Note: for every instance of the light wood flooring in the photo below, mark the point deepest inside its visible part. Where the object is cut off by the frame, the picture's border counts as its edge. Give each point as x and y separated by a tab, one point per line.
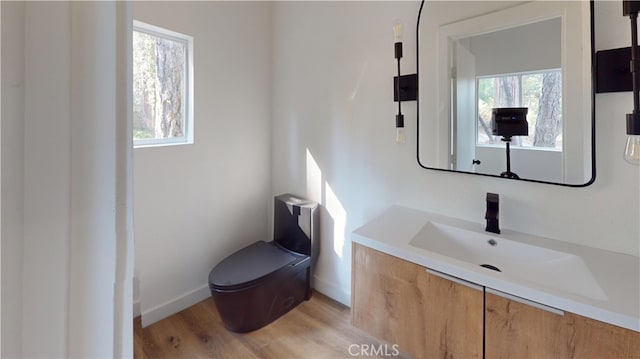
318	328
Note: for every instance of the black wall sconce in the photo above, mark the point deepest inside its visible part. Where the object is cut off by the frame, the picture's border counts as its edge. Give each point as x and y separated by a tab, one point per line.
618	70
632	148
405	88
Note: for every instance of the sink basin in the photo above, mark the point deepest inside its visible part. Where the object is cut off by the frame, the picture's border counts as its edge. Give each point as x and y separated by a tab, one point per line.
501	256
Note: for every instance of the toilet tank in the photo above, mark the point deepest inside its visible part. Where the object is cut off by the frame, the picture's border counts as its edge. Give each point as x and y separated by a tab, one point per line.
295	224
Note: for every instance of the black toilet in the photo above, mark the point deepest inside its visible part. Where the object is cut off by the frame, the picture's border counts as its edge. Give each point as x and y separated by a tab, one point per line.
260	282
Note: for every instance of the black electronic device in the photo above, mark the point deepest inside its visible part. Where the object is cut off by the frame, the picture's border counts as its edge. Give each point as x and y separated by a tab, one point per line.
509	121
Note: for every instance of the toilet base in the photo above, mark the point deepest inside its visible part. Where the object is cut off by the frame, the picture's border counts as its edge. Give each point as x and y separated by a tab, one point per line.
247	309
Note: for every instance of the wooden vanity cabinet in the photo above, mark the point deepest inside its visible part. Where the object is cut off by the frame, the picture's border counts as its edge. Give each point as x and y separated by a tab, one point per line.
517	330
432	317
426	315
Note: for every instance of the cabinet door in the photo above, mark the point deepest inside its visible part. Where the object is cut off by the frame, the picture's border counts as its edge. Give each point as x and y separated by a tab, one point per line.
427	316
517	330
454	317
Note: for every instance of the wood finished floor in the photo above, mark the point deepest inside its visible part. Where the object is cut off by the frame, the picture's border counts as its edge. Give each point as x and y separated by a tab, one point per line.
318	328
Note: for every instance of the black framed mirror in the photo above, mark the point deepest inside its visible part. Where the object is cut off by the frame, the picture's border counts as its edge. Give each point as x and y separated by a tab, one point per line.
474	57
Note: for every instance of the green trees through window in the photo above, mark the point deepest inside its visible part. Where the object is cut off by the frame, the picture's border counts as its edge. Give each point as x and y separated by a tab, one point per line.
160	84
540	92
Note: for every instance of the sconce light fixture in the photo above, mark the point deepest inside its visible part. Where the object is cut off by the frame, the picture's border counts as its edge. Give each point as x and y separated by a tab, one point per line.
397	36
405	87
618	70
632	148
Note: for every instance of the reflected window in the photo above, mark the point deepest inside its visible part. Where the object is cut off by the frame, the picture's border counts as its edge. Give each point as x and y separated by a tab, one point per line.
540	92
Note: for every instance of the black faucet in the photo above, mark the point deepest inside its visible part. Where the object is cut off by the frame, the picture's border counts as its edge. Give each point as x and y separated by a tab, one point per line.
491	215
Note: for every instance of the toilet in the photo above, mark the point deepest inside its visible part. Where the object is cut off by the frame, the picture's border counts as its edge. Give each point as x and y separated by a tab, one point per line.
259	283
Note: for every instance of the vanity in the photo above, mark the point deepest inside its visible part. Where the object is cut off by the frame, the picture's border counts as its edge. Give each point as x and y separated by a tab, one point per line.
442	287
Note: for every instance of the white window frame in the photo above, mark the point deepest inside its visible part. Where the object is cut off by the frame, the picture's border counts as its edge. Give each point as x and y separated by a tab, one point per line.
188	137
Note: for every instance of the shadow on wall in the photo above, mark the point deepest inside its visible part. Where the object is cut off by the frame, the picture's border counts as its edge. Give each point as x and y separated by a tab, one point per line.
333	220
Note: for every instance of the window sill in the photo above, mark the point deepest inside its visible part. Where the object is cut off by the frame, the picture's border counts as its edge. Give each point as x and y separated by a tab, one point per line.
161	144
519	148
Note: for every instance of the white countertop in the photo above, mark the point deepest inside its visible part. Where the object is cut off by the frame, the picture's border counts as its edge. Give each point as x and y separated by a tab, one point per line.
618	275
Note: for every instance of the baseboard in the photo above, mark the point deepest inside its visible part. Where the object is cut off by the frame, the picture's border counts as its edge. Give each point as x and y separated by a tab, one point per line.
332	291
174	306
136	308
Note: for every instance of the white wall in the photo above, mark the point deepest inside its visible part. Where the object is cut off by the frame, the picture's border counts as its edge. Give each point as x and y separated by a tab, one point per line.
530	47
100	104
196	204
12	175
333	65
542	165
47	176
64	231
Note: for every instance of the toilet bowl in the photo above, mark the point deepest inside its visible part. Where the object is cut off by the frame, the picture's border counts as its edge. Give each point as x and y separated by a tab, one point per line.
259	283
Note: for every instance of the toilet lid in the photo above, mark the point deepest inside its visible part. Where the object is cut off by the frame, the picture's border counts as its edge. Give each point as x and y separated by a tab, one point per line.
250	264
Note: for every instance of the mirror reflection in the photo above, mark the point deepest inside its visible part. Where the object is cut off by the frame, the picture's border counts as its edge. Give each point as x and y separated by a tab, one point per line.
499	55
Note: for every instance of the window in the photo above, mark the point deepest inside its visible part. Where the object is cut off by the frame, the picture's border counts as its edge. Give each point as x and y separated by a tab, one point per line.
540	92
162	86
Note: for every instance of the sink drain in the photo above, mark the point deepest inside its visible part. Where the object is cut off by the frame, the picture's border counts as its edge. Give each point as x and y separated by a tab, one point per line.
489	266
